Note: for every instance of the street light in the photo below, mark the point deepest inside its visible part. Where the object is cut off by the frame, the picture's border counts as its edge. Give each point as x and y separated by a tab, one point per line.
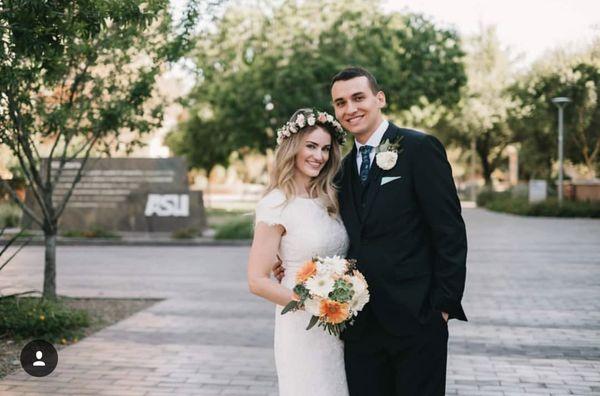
560	102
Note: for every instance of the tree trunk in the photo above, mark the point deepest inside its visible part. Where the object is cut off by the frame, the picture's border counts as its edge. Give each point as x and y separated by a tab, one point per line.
486	167
50	263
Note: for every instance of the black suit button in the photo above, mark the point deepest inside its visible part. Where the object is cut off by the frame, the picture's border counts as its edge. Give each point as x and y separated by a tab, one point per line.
363	205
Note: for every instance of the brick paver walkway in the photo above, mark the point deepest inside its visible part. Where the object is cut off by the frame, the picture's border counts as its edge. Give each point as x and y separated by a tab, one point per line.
533	300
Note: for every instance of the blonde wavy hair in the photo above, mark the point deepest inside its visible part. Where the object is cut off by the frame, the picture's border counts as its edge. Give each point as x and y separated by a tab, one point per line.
284	167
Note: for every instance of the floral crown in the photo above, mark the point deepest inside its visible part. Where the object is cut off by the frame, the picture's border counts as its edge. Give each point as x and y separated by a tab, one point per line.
311	118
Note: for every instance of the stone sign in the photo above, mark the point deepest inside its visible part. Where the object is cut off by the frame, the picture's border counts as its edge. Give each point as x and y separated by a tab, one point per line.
538	190
129	194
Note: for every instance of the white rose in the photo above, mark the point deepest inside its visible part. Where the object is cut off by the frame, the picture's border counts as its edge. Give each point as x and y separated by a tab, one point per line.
286	133
311	120
386	159
329	118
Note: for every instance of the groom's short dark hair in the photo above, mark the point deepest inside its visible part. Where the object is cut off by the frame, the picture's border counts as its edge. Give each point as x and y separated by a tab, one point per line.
353	72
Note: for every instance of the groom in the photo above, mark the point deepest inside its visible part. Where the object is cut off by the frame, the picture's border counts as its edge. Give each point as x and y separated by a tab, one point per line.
403	217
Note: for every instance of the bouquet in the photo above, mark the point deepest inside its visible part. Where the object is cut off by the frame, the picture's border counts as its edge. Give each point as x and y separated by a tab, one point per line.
332	290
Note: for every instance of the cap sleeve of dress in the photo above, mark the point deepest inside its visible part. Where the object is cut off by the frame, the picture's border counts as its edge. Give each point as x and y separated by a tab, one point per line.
269	209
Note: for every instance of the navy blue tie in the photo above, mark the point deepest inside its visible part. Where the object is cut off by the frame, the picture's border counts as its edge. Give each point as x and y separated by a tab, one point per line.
365	165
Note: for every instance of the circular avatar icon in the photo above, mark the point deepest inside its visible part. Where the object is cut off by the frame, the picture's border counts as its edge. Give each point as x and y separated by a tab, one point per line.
39	358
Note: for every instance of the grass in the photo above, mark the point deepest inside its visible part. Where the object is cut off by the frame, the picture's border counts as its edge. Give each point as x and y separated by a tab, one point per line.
238	228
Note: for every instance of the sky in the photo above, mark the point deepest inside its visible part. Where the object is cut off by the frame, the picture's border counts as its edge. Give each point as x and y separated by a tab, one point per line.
527	27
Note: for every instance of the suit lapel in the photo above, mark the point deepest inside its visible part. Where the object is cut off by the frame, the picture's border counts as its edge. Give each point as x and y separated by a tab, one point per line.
374	181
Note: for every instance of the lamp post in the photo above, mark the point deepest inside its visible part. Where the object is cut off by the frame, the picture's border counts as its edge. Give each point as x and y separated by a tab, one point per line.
560	102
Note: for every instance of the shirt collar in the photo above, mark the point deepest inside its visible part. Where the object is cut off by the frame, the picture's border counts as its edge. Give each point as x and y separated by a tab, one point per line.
376	137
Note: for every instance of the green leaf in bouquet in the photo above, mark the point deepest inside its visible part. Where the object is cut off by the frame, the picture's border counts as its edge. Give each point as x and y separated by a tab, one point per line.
291	306
301	291
313	321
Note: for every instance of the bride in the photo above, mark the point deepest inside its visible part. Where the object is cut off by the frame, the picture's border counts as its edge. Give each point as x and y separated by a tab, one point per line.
296	220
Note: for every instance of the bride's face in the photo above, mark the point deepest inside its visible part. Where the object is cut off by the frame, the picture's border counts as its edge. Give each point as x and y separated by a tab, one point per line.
314	152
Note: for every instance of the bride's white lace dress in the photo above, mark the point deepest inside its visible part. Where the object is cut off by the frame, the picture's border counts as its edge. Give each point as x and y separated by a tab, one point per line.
309	362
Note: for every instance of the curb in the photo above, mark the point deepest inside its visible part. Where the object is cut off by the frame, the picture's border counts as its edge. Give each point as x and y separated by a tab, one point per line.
112	242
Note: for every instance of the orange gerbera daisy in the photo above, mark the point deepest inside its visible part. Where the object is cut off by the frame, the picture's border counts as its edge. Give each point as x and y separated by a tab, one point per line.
306	271
333	311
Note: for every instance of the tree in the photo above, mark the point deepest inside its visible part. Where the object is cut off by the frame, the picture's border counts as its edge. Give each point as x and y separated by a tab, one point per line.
259	65
483	112
577	77
76	78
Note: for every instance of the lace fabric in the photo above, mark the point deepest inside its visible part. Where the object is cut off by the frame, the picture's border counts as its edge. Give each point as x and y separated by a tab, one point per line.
309	362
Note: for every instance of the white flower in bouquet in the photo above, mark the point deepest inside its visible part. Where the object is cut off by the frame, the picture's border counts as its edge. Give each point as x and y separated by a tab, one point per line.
359	284
332	265
330	289
359	300
320	285
312	306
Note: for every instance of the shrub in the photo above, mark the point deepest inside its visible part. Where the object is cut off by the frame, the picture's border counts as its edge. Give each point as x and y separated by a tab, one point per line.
503	202
93	233
184	233
240	228
10	215
26	317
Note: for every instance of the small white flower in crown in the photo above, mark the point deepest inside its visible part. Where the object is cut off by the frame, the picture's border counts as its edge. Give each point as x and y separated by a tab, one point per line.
311	119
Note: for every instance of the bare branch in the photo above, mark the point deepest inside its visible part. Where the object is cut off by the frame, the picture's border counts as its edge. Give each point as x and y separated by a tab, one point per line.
15	253
15	148
67	196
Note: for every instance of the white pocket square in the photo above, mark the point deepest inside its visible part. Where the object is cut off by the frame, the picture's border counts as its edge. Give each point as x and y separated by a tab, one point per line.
387	179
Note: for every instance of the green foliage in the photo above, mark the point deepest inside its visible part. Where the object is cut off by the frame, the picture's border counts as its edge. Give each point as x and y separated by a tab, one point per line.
10	215
260	65
504	202
241	228
576	77
483	112
34	317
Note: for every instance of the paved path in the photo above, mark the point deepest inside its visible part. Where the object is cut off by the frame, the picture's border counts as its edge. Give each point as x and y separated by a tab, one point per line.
533	299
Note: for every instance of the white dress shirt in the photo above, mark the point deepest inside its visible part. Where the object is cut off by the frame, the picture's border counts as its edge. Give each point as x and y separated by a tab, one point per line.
373	141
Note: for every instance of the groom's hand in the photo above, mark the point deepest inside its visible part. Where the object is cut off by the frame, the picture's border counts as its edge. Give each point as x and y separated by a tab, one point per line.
445	316
278	270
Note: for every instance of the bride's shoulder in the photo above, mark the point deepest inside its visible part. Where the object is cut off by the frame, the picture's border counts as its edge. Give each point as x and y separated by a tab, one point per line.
272	199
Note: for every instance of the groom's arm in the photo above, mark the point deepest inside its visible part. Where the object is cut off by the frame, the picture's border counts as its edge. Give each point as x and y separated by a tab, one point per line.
440	205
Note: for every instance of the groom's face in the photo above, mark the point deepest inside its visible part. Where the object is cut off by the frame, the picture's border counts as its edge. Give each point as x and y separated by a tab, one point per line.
357	107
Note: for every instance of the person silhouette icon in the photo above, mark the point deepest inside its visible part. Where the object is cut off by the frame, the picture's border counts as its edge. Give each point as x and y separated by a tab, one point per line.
39	362
39	358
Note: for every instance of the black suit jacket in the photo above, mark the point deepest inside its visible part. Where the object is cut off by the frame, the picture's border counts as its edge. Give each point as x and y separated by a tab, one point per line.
408	237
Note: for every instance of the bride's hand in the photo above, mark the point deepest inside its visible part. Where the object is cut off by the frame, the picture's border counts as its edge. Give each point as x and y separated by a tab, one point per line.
278	270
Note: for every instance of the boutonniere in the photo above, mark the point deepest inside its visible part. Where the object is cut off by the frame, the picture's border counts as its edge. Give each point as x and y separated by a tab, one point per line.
387	153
